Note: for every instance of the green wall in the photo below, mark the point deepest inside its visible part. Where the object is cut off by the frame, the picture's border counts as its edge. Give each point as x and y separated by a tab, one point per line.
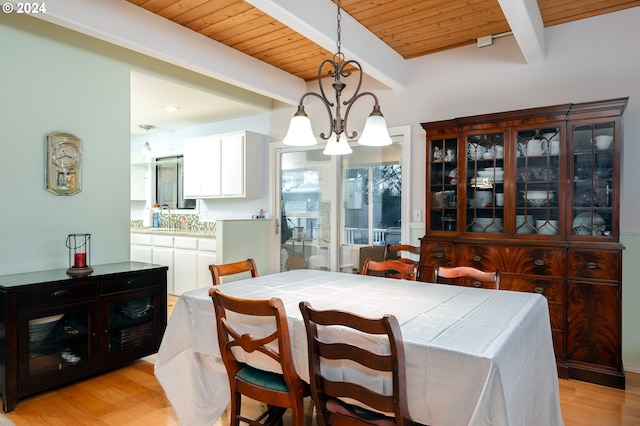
54	81
630	301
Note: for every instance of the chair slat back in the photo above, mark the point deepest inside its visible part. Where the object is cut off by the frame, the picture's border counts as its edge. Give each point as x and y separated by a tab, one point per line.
477	275
337	335
394	252
392	269
226	269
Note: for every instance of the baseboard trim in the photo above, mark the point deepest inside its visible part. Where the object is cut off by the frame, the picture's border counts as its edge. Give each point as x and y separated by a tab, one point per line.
631	368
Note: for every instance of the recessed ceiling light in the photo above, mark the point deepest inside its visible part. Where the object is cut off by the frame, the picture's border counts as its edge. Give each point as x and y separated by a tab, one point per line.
171	108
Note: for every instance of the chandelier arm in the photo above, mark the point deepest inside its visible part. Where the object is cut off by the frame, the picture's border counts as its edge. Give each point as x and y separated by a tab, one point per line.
330	73
347	73
327	105
352	101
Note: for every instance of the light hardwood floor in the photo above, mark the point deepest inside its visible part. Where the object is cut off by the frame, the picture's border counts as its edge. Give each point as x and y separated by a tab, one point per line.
133	396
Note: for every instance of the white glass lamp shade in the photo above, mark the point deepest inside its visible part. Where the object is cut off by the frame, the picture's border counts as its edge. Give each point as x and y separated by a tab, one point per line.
337	147
300	132
375	132
146	150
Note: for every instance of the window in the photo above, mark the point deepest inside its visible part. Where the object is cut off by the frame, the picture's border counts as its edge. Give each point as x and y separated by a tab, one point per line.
169	183
331	206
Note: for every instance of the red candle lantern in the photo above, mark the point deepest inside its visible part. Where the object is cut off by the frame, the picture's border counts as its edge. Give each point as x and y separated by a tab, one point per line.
79	246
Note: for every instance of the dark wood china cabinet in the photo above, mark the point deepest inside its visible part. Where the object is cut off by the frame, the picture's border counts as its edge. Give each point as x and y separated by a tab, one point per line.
536	194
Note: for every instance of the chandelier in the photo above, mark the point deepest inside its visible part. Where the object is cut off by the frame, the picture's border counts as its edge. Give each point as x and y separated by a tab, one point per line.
375	131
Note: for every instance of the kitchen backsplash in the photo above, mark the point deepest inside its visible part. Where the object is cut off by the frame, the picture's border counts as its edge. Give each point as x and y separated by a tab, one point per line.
182	222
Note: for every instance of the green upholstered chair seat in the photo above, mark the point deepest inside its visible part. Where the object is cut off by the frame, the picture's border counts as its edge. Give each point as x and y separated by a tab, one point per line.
263	379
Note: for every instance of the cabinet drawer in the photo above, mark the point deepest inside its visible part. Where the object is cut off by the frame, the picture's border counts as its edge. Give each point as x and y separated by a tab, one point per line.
185	243
549	288
535	261
56	295
207	244
433	253
597	264
485	258
162	241
142	239
131	282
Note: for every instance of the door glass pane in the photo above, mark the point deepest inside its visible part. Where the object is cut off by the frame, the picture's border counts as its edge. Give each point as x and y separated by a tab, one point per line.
538	207
485	189
372	200
306	183
58	342
443	184
593	180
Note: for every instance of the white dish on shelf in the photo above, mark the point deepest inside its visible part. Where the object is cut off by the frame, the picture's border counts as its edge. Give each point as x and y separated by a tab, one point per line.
547	227
46	320
539	195
482	228
538	202
498	174
488	220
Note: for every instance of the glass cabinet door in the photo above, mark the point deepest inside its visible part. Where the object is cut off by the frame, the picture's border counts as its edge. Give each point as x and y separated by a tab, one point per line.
593	180
485	183
57	341
131	323
443	180
538	177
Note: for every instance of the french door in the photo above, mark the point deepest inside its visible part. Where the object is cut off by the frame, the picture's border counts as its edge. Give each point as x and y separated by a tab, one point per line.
330	206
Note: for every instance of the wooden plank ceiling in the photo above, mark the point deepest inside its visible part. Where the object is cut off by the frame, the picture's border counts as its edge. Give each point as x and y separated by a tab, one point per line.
411	27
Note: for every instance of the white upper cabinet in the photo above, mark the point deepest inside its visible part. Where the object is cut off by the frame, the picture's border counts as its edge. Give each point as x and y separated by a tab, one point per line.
224	166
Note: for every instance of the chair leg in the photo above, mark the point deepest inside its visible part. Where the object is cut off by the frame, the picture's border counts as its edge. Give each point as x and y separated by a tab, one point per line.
236	403
297	413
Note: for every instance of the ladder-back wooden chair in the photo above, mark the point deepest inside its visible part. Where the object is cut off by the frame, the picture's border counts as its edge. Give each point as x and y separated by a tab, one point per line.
332	394
278	391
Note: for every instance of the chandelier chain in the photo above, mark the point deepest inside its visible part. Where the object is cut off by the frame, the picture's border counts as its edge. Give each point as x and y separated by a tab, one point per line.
339	30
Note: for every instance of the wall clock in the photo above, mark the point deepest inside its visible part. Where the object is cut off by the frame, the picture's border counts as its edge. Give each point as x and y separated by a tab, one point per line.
63	164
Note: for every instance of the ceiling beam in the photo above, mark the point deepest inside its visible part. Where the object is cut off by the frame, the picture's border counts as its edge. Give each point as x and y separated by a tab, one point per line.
129	26
525	21
317	21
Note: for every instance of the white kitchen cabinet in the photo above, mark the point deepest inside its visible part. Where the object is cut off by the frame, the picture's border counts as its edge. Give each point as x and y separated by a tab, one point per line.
201	160
162	254
141	248
224	166
185	264
206	256
188	257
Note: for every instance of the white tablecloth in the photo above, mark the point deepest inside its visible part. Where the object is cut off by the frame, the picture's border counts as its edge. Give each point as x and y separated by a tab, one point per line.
473	356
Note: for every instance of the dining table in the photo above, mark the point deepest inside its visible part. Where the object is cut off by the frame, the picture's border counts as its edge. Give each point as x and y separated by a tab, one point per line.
473	356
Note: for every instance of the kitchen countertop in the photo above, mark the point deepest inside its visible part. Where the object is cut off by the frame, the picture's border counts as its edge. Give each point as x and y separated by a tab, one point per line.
173	232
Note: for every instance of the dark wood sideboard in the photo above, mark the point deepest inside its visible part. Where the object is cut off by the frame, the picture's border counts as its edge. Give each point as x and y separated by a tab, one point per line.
536	194
56	328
